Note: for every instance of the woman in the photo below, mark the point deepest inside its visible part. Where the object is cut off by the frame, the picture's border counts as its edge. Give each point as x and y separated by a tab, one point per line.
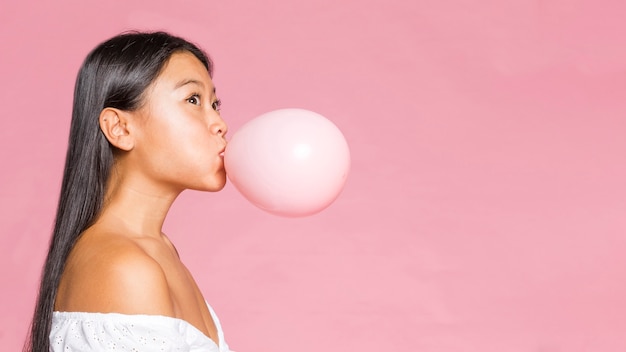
145	126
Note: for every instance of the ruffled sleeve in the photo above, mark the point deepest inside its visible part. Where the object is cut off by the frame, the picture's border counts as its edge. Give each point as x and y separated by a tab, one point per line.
76	331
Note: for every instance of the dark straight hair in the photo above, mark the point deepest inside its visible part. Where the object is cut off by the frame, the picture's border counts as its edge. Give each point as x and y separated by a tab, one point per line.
115	74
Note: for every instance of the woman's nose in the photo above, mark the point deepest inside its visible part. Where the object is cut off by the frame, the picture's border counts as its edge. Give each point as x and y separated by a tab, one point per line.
219	127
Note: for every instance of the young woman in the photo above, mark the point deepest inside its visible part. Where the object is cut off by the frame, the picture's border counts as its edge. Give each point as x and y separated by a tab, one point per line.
145	126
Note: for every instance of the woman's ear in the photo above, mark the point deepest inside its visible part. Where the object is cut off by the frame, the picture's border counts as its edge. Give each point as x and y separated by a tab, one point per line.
113	125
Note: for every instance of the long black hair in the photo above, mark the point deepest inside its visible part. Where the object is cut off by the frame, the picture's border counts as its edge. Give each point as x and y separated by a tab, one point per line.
115	74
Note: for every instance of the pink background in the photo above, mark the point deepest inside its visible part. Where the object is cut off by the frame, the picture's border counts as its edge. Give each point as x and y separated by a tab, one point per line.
485	209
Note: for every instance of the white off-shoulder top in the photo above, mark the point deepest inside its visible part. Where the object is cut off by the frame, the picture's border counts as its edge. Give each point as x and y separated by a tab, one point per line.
79	331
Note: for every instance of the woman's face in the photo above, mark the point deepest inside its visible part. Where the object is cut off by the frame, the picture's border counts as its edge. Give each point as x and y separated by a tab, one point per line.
180	134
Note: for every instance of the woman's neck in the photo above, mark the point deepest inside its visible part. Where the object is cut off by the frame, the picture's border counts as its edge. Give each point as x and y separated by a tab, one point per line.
140	206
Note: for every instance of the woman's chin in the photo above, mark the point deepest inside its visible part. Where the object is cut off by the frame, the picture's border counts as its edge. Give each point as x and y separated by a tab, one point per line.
214	184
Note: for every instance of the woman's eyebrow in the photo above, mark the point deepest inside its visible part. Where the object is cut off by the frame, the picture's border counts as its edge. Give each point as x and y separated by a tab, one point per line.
188	81
191	81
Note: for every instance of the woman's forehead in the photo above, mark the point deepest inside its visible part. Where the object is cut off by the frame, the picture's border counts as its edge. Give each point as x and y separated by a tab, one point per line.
183	69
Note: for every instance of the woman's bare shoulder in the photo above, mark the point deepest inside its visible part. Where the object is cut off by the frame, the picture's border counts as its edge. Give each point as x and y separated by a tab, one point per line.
108	272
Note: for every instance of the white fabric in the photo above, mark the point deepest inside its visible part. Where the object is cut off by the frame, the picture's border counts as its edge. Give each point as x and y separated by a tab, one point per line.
78	331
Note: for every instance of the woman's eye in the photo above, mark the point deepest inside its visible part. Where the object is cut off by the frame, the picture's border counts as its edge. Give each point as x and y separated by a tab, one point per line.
216	105
194	99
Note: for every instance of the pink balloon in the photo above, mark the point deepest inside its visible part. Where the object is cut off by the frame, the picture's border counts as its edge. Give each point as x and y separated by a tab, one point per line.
289	162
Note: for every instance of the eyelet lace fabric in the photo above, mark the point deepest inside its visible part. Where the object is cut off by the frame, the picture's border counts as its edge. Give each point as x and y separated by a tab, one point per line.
114	332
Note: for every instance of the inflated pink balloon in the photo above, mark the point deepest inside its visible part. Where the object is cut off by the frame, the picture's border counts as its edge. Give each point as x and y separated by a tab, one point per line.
289	162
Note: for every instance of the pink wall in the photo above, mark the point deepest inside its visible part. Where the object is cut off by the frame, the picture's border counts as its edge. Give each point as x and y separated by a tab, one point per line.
485	209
